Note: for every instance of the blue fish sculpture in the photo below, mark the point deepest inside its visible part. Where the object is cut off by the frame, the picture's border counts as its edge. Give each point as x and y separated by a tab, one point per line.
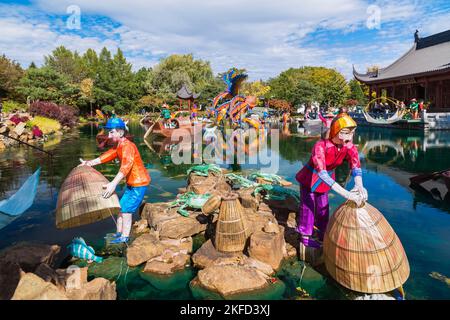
79	249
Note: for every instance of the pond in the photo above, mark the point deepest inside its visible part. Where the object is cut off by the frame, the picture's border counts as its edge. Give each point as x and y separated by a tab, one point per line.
389	158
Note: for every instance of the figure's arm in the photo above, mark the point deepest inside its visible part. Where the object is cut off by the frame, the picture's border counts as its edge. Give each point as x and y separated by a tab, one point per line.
125	167
105	157
355	166
319	161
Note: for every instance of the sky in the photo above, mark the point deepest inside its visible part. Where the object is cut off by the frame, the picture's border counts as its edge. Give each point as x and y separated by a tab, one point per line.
264	37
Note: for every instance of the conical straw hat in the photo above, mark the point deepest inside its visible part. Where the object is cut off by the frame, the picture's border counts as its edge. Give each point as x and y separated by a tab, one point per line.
362	252
80	199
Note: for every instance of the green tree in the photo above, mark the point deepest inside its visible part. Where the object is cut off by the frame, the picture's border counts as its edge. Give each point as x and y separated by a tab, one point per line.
68	63
48	85
172	72
304	92
356	92
10	75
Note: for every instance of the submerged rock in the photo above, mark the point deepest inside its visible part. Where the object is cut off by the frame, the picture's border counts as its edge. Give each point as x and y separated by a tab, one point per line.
268	247
143	249
30	255
228	280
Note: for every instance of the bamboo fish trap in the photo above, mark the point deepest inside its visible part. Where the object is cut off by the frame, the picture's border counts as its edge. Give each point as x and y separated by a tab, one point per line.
231	229
362	252
80	199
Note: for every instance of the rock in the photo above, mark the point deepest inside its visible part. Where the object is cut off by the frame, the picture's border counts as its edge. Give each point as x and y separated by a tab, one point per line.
20	128
171	224
207	256
228	279
183	245
48	274
143	249
292	220
154	212
290	251
32	287
9	279
271	227
247	199
72	278
259	265
257	221
175	263
30	255
141	226
97	289
263	207
3	129
268	247
2	145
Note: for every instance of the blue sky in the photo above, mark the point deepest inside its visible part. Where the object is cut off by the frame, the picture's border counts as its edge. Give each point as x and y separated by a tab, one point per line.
265	37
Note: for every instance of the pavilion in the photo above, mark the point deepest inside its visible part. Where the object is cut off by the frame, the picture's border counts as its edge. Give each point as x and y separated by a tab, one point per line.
422	73
184	94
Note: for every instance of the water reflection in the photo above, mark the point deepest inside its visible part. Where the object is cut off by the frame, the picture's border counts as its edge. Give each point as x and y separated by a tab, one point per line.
389	159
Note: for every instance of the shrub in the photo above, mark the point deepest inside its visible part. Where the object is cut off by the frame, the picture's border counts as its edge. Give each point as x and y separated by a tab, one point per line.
65	115
47	125
9	106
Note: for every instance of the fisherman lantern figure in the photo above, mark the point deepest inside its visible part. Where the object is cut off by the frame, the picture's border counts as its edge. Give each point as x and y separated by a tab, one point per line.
317	178
132	168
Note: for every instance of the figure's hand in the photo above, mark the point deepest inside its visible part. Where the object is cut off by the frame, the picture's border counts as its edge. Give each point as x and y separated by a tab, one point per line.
364	193
109	190
356	197
83	163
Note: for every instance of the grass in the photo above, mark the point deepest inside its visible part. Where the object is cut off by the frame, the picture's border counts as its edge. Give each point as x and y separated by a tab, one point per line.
9	106
47	125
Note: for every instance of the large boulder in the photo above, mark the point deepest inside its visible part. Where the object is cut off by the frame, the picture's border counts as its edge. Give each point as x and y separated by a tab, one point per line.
207	256
9	279
166	266
30	255
183	245
33	287
170	224
143	249
257	221
97	289
267	247
228	280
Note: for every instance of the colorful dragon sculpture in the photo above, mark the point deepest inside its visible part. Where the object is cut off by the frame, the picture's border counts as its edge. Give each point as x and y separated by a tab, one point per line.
229	104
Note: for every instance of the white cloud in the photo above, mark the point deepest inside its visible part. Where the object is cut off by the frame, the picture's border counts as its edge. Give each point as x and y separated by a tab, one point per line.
263	36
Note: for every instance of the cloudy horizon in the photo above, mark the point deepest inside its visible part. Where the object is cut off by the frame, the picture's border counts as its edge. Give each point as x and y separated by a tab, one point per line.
264	37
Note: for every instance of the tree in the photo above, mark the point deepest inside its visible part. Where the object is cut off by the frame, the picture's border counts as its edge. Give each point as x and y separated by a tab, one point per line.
304	92
48	85
86	87
10	75
66	62
356	92
256	88
171	73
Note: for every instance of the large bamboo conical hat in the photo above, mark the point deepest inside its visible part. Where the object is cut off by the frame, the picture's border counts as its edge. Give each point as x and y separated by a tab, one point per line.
80	199
362	252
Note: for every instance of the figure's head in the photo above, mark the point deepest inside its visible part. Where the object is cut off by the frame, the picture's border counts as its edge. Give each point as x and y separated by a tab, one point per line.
342	129
116	128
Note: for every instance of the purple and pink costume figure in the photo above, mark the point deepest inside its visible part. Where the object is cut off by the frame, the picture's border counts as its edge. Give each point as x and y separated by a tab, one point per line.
316	179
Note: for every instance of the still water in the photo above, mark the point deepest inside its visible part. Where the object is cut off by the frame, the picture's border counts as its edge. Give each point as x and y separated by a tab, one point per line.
389	158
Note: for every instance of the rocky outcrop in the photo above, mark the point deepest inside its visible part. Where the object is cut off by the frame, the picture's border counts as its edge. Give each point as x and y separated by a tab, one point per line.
167	265
228	280
208	256
9	279
97	289
257	221
33	287
267	247
30	255
143	249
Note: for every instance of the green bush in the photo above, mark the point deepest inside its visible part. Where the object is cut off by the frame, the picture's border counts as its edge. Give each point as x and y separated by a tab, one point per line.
9	106
47	125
